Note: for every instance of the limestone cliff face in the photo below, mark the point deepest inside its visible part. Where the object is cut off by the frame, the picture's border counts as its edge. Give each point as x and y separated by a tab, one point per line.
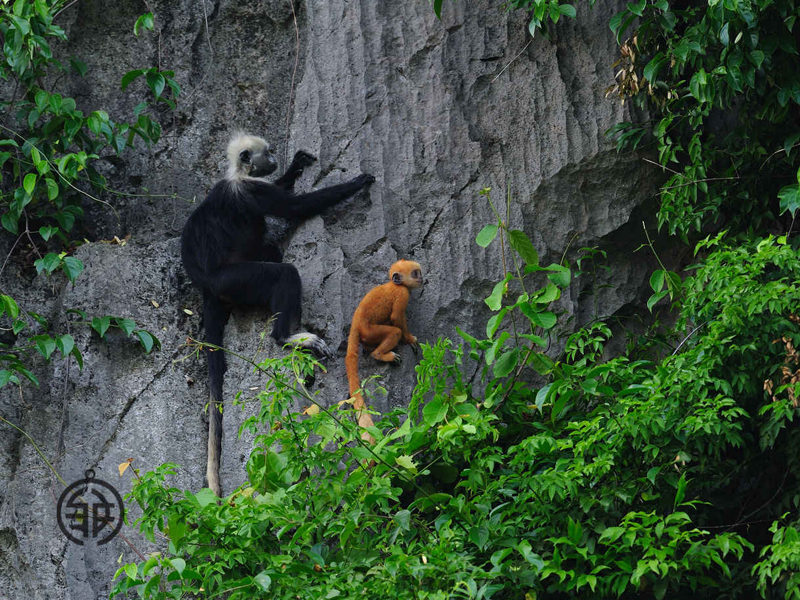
436	110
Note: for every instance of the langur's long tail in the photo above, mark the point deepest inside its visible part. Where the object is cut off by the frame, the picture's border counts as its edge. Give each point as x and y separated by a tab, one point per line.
351	364
214	317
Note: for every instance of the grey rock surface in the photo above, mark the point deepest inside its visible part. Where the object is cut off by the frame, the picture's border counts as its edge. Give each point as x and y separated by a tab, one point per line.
435	110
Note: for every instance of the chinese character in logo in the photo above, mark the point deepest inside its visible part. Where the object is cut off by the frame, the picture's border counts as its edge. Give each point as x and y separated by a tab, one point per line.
90	508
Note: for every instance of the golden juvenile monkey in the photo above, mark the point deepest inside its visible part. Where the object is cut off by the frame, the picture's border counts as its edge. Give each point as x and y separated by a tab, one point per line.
380	320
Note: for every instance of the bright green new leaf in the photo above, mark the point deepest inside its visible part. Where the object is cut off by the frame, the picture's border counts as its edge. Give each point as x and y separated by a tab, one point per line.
657	280
434	411
495	300
486	235
29	183
407	462
9	306
680	494
263	581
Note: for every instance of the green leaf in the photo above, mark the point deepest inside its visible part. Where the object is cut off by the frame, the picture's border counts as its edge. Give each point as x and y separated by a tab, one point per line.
495	300
52	189
146	21
653	300
72	267
506	363
41	8
406	461
45	345
574	531
49	263
533	559
130	76
533	26
41	99
263	581
788	143
568	10
651	474
437	8
561	277
434	411
403	519
21	24
680	494
654	66
147	340
152	585
78	357
65	344
545	320
638	8
493	324
789	199
657	280
127	325
519	241
10	306
479	536
542	395
8	377
724	37
29	183
177	528
10	222
486	235
178	564
101	325
79	66
156	83
33	116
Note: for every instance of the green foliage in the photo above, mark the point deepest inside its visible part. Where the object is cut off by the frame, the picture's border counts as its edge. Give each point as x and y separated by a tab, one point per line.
570	474
46	164
607	478
723	81
47	158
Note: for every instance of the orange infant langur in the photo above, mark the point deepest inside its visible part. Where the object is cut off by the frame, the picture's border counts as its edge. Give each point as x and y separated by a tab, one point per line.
380	320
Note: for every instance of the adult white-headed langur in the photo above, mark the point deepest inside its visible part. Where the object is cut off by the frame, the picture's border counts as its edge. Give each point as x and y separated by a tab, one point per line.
223	251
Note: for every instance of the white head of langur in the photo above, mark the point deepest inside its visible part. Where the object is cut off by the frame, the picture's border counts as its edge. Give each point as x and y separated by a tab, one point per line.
249	156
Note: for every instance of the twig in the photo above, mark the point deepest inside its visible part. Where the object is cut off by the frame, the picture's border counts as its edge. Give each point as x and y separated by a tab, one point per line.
10	252
512	60
691	333
63	9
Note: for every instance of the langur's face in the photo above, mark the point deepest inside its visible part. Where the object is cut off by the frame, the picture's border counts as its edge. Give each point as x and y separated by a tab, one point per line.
261	163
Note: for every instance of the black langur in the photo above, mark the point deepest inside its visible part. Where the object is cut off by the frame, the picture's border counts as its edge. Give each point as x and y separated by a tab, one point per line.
223	251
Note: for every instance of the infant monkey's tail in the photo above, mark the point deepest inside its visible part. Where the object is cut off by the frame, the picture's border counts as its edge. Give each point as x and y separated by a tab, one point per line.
351	364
